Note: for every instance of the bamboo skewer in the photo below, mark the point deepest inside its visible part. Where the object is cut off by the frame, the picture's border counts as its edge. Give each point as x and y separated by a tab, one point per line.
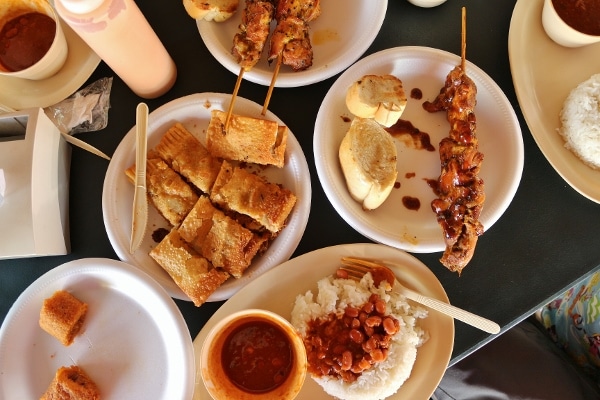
272	85
233	97
463	41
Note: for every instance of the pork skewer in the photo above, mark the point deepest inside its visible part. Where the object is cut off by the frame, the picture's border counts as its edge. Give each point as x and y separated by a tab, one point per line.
248	44
290	42
460	189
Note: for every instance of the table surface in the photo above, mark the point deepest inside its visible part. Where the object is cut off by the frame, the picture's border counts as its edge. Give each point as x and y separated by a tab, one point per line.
545	241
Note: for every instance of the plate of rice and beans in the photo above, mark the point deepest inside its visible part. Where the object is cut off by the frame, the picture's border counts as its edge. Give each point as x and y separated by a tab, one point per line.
337	318
562	114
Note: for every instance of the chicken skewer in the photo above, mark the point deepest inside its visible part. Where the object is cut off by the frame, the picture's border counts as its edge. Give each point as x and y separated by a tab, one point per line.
248	44
290	42
460	189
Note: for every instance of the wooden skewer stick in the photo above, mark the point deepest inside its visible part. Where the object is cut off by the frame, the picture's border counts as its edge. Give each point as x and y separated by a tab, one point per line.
272	85
233	96
463	41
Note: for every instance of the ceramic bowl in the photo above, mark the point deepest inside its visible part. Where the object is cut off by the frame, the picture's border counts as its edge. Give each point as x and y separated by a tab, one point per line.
233	332
426	3
562	33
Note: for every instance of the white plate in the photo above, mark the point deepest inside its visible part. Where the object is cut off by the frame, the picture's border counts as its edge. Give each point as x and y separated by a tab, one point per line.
193	112
499	140
134	342
543	74
301	274
339	36
18	93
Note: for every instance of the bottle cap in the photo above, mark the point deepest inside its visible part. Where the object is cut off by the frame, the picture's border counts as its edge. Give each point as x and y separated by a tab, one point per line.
81	6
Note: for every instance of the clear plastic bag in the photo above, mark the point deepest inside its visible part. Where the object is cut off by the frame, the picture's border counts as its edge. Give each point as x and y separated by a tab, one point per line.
84	111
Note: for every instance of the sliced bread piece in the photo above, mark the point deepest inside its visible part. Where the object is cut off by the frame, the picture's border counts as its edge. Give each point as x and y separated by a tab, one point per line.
211	10
380	97
368	159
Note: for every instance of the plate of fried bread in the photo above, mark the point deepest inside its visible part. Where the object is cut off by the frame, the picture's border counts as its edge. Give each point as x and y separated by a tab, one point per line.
95	328
405	219
223	207
331	41
302	288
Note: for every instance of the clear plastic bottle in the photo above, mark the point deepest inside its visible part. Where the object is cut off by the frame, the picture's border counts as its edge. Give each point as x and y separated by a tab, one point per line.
120	34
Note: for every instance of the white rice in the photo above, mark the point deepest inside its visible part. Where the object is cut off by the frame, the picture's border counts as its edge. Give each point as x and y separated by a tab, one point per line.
580	119
382	381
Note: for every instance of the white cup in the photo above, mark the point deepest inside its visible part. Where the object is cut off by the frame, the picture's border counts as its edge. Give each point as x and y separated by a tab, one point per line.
56	55
562	33
426	3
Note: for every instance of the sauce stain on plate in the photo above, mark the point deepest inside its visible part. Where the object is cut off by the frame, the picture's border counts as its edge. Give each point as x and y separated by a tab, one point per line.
325	35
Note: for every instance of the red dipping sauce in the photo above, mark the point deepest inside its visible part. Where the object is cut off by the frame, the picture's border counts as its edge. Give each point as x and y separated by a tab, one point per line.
581	15
257	356
25	39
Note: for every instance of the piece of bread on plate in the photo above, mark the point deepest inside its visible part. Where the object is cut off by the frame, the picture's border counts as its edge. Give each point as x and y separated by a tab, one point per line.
62	316
183	152
239	190
211	10
71	383
368	158
170	194
219	238
247	139
192	272
380	97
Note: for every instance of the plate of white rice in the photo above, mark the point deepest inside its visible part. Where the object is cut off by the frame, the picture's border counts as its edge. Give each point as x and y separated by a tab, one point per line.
544	75
428	333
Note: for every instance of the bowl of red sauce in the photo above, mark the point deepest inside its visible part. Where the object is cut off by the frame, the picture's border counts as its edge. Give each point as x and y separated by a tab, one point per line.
572	23
253	354
32	42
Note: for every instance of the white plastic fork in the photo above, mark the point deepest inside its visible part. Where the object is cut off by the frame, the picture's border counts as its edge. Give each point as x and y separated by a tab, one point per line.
358	267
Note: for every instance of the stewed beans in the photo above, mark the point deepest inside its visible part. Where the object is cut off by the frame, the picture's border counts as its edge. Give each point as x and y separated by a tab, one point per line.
344	346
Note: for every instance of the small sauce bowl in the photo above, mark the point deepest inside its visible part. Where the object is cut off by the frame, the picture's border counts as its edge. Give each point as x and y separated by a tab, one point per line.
251	355
426	3
561	32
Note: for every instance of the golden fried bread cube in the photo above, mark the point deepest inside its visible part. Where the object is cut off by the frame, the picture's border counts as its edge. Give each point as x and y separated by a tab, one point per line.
183	152
192	272
247	139
71	383
244	192
62	316
170	194
221	239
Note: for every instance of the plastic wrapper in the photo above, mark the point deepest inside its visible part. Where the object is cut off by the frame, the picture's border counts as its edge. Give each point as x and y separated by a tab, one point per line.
84	111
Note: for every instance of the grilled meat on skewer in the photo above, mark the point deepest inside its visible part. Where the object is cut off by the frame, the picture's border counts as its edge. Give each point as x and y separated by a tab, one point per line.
460	189
291	39
248	44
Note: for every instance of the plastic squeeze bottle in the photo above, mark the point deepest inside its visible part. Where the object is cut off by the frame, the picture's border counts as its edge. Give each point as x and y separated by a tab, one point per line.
122	37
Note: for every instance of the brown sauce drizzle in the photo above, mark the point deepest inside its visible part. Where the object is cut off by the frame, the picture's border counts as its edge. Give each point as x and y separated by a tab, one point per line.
412	203
410	135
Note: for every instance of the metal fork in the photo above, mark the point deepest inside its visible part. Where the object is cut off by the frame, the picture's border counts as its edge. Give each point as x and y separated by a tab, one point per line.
356	268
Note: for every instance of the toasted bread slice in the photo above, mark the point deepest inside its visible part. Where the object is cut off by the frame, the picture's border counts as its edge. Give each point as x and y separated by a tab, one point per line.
170	194
380	97
248	139
71	383
219	238
183	152
368	158
211	10
62	316
239	190
193	273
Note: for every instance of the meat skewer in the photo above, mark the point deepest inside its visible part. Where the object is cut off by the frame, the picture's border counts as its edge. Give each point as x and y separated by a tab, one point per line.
460	189
248	44
290	42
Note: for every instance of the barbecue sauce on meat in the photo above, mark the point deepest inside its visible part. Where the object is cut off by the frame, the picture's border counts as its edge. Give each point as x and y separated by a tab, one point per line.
460	189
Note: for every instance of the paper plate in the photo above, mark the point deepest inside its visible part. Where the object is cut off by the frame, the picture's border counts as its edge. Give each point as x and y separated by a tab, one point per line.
134	343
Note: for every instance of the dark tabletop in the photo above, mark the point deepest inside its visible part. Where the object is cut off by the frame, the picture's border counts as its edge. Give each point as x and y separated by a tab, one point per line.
545	241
